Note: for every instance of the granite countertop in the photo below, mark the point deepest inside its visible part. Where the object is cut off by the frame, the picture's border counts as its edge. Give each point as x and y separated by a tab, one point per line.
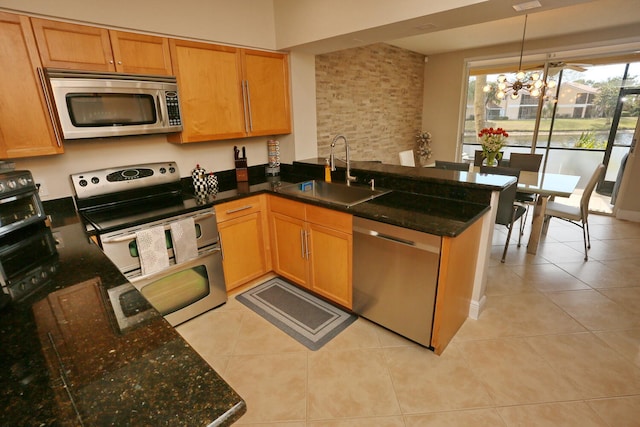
143	375
147	375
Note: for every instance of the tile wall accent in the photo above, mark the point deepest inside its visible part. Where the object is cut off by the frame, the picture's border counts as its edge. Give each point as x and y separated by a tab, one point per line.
372	95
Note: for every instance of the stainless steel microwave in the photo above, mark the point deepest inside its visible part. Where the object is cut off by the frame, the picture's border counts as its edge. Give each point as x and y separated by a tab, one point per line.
97	105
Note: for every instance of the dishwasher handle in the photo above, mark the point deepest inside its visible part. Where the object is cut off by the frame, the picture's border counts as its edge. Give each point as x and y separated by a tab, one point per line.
399	240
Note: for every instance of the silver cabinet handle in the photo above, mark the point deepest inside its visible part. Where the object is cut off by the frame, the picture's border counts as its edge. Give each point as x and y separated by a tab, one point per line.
47	99
241	208
244	105
249	106
302	249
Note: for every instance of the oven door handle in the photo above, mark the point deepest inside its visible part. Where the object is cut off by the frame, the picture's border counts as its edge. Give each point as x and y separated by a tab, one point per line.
174	267
131	236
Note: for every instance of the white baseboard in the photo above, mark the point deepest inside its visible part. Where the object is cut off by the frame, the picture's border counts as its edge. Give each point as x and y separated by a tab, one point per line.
476	307
628	215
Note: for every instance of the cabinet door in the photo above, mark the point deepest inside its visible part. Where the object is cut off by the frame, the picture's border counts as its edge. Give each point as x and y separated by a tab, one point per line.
267	92
243	249
330	263
140	54
79	47
25	123
210	91
289	248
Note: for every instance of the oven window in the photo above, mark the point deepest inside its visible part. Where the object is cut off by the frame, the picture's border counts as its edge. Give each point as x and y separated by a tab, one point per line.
133	245
177	290
111	109
28	254
18	209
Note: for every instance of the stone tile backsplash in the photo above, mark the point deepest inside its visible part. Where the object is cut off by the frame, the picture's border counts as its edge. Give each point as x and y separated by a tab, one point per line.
372	95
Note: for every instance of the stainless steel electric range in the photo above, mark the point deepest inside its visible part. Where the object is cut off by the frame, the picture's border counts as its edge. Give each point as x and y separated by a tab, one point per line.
120	206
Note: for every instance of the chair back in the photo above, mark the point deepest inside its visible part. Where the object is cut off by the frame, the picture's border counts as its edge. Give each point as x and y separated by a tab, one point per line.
407	158
525	162
504	215
588	190
440	164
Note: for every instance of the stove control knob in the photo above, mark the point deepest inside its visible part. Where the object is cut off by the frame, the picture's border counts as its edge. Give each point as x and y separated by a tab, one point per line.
83	183
95	180
2	187
12	184
172	169
23	182
163	170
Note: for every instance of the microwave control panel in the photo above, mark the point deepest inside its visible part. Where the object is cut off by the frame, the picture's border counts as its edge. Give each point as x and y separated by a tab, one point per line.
173	108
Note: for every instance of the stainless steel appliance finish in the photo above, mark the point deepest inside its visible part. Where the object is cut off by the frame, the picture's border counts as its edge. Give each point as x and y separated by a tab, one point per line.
117	203
95	105
20	204
28	260
395	274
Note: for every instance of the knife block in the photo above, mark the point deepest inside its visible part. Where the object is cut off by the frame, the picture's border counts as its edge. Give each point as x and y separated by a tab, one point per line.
242	174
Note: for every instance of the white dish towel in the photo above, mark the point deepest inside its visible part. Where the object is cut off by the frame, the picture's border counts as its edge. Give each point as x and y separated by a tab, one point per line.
152	250
183	234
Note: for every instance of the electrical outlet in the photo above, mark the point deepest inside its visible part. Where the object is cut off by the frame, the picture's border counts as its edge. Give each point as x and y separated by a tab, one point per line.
42	189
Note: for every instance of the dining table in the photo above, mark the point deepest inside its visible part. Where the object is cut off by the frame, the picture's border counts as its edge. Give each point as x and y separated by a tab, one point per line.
544	186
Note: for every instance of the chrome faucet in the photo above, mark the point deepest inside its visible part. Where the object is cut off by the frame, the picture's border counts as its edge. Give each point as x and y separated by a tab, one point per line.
332	159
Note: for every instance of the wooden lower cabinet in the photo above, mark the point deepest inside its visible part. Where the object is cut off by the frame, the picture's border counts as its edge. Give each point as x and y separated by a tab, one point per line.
242	225
312	247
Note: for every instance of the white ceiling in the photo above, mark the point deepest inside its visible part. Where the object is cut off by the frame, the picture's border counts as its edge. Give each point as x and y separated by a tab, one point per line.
595	15
488	23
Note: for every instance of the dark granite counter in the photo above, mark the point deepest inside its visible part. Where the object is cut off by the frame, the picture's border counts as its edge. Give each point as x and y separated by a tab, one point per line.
148	375
145	375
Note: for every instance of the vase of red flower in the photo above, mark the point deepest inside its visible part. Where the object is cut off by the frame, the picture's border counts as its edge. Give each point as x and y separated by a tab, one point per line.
492	142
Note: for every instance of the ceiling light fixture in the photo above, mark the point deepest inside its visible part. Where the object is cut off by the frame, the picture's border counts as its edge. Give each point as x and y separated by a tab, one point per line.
531	83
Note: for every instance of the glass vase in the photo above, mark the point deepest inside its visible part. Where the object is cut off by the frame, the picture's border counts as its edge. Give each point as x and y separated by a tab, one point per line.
490	160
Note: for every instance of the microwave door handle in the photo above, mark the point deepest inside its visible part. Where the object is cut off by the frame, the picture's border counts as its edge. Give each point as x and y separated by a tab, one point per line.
159	109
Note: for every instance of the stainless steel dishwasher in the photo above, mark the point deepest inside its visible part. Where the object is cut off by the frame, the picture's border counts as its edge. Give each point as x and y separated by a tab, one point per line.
395	275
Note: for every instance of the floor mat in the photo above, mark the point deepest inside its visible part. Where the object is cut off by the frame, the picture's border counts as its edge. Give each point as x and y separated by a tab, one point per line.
310	320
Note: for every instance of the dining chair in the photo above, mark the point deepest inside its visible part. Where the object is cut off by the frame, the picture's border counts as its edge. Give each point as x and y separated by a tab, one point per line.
530	163
457	166
508	211
407	158
577	215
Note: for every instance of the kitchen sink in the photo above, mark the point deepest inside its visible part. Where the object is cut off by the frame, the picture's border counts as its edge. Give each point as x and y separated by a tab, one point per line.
331	192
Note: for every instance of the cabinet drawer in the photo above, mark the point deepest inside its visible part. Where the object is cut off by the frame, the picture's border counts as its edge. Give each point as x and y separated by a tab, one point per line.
288	207
329	218
238	208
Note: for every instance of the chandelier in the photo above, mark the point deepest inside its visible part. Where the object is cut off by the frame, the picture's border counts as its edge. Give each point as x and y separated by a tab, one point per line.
531	83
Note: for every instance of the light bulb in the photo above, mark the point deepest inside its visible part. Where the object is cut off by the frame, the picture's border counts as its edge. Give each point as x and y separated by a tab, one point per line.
520	75
486	88
502	86
500	95
514	95
535	93
535	76
502	78
538	84
551	83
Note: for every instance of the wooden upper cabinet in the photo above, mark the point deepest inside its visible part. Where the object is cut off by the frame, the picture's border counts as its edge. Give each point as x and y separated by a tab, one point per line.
80	47
211	97
83	47
226	92
25	123
141	54
266	77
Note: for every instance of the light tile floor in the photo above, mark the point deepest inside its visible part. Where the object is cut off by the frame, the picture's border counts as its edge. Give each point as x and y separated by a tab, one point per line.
557	345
